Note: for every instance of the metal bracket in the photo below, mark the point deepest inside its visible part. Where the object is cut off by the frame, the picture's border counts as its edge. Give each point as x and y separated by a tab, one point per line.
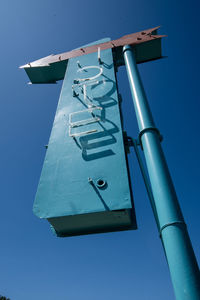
99	56
129	142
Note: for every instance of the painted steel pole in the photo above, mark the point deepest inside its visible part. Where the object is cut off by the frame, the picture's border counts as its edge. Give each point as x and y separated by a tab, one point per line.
176	242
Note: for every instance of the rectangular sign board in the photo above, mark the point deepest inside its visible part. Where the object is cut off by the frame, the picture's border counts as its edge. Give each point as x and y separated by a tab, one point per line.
84	185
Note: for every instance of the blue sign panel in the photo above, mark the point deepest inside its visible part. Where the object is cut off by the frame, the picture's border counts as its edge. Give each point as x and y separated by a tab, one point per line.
84	185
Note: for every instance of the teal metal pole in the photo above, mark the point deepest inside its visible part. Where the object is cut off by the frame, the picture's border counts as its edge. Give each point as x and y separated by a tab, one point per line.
176	242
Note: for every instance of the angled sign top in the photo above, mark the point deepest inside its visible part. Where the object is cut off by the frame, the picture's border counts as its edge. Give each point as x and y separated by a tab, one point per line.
147	46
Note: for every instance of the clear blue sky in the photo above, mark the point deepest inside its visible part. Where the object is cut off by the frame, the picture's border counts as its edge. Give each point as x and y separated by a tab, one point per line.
34	264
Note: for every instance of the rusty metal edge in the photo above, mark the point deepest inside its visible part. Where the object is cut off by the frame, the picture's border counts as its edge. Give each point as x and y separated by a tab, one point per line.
131	39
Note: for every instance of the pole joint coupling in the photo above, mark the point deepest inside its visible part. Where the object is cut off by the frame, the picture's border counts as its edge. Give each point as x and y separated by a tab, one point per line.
175	223
149	129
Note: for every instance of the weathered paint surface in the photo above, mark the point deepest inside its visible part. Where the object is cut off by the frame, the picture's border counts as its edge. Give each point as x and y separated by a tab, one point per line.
84	185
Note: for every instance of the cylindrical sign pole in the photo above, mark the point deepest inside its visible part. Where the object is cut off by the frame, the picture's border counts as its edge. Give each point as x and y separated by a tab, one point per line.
178	249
